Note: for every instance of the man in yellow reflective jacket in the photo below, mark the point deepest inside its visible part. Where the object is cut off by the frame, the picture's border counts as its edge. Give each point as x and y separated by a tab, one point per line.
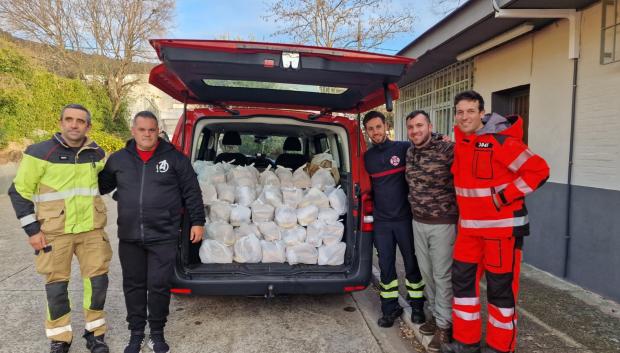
56	199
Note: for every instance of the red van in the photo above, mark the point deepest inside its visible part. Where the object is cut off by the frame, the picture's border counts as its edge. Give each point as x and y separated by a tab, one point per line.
261	97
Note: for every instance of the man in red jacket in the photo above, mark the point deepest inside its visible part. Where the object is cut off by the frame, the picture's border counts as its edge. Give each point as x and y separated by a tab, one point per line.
493	172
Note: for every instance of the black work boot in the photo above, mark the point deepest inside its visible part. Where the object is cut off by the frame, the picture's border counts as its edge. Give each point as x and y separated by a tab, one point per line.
59	347
95	344
157	343
442	336
458	347
387	320
429	327
417	312
136	342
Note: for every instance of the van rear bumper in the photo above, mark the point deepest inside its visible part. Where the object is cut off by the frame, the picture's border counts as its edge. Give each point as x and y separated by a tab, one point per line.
312	283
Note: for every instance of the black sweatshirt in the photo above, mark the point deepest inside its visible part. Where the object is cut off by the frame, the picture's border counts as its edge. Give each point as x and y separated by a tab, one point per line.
152	195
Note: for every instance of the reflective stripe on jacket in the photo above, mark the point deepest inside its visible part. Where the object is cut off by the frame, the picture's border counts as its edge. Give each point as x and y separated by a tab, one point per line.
61	183
495	160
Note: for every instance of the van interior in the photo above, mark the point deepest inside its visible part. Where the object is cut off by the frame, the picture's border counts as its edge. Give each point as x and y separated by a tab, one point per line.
266	141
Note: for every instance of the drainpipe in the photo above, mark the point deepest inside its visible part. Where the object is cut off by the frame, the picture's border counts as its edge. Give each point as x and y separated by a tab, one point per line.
574	21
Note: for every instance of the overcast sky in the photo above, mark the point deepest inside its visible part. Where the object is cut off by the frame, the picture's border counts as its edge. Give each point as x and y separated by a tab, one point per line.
210	19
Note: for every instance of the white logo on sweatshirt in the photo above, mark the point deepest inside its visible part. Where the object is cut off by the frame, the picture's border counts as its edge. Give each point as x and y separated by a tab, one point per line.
162	166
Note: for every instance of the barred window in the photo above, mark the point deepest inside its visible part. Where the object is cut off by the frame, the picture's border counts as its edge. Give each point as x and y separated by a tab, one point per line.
610	32
434	94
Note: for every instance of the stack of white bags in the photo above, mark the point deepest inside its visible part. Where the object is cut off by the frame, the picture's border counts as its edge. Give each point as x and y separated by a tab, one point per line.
275	216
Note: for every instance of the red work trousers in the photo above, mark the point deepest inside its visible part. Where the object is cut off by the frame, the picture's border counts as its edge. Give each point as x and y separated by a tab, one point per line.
500	258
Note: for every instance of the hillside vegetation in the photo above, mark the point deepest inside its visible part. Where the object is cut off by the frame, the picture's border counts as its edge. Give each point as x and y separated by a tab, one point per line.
31	99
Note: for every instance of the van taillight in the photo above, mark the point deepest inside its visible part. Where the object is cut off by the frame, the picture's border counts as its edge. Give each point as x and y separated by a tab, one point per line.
367	218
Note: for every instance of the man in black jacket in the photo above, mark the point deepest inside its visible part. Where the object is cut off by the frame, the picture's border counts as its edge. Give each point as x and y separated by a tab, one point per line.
154	183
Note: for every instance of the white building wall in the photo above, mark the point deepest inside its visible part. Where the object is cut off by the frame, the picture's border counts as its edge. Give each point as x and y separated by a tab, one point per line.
597	128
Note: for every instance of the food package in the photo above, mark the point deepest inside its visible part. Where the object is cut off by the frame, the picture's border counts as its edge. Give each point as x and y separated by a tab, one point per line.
261	212
270	231
285	175
225	192
332	255
219	211
313	233
273	251
322	178
328	215
293	236
338	201
267	177
292	196
245	195
248	250
332	233
222	232
314	196
209	193
213	252
303	253
286	217
307	215
239	214
301	178
246	229
272	195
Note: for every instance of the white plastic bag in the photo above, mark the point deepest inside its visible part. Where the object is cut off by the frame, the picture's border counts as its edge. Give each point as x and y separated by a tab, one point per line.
246	229
245	195
261	212
225	192
286	217
322	178
332	255
209	193
285	175
213	252
248	250
313	233
321	157
270	231
239	214
302	254
314	196
212	173
219	211
293	236
273	251
292	196
332	233
338	201
241	176
307	215
267	177
272	195
222	232
328	215
301	179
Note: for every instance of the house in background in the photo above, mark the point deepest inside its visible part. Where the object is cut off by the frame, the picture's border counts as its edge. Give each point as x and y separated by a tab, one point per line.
557	64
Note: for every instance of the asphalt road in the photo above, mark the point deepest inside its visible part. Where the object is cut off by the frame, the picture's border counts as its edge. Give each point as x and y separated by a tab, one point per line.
334	323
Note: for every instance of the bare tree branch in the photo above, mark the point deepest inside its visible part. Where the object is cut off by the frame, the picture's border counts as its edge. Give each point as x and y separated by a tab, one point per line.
355	24
97	38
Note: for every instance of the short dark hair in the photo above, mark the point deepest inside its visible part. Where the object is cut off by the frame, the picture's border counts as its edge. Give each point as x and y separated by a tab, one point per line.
415	113
470	96
144	114
78	107
371	115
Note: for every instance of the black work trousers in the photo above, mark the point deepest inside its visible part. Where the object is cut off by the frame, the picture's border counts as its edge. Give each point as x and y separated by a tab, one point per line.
386	236
147	271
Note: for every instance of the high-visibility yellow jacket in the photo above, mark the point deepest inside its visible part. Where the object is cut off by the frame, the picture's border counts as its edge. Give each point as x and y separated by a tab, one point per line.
61	183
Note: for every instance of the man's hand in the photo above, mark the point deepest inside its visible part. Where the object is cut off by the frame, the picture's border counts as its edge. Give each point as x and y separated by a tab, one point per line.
195	234
446	138
37	241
